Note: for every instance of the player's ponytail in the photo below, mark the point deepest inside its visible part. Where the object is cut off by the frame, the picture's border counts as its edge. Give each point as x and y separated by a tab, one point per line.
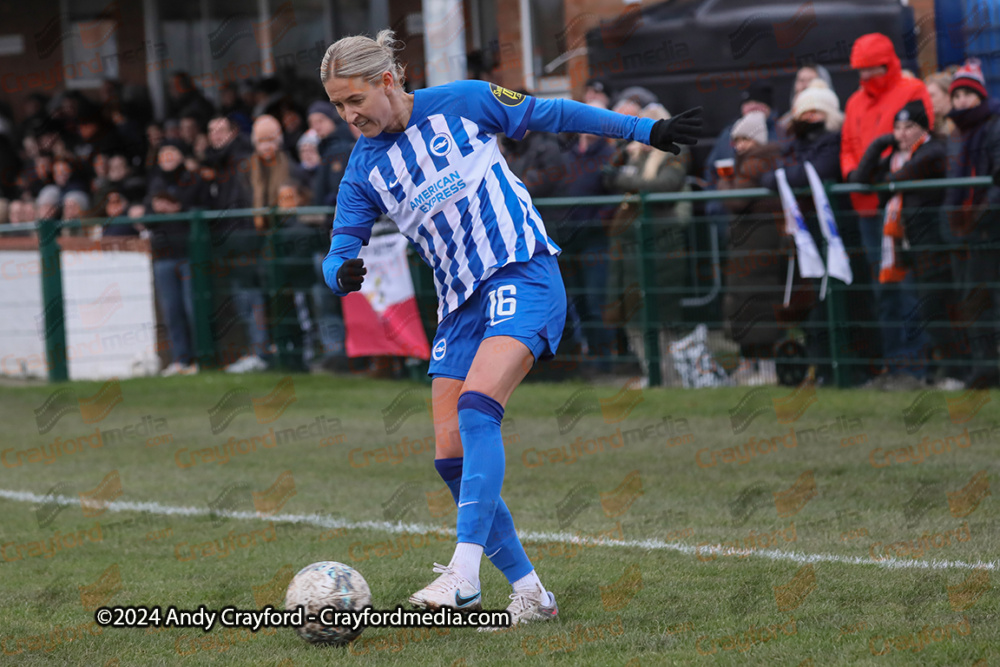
362	56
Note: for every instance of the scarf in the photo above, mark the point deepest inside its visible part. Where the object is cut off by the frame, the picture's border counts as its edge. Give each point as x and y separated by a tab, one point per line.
893	232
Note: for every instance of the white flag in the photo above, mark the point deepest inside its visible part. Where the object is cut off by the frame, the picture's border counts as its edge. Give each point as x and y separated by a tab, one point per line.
807	254
837	263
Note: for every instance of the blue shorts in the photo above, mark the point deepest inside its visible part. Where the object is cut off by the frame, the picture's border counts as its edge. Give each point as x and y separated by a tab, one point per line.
524	300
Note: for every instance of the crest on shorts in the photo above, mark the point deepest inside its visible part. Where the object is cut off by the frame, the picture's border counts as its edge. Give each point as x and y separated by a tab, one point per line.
508	98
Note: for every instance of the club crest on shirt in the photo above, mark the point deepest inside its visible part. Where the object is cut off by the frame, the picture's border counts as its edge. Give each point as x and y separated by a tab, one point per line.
440	144
506	97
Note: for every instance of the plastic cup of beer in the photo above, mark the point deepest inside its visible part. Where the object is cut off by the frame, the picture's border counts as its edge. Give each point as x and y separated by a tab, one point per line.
725	168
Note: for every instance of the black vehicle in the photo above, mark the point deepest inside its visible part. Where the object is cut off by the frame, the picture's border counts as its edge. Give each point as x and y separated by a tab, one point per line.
707	52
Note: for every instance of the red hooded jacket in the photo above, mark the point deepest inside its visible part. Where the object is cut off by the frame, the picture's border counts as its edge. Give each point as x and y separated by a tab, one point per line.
871	110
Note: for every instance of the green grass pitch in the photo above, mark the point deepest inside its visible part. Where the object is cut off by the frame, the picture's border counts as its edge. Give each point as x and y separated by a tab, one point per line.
732	526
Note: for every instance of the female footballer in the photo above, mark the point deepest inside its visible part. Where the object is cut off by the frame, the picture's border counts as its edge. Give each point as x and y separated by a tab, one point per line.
430	161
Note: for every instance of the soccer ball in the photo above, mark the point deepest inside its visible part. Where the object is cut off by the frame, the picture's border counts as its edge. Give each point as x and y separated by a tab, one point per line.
328	584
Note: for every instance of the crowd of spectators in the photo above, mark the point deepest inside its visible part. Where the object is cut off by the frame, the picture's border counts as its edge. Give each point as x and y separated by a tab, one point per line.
925	262
72	158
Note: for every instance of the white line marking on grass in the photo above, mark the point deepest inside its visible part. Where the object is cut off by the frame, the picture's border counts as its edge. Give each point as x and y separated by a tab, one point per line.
322	521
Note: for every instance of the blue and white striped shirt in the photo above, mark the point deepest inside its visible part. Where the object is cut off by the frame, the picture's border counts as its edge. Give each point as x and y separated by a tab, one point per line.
446	186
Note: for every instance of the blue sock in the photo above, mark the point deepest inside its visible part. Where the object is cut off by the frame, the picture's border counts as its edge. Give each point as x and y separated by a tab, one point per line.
479	419
503	547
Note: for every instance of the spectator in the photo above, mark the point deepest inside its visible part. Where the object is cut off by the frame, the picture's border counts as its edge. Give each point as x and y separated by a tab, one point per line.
580	232
154	138
756	264
637	98
185	98
308	150
174	189
267	95
37	175
814	129
973	219
868	114
912	244
599	92
815	138
757	97
803	77
335	145
76	206
292	126
649	170
537	160
226	160
270	169
233	107
47	203
938	85
116	205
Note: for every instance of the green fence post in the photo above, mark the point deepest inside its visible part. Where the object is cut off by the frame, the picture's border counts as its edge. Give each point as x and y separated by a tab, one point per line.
836	315
200	256
281	305
650	311
52	298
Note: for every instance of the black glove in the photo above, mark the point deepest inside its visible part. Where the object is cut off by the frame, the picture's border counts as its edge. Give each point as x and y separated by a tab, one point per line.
683	128
885	141
350	275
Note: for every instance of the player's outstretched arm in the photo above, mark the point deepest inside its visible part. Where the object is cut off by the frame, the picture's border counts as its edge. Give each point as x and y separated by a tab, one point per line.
557	115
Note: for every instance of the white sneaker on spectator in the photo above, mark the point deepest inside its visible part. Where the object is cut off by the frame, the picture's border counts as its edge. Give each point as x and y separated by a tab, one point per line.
178	368
249	364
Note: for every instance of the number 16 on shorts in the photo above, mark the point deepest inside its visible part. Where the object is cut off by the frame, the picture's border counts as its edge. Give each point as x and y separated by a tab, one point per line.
503	304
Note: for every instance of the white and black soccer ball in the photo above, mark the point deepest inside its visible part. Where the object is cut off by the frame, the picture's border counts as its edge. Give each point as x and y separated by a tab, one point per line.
328	584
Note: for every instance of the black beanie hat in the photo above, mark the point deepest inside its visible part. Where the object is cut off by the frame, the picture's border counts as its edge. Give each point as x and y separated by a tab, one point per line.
916	112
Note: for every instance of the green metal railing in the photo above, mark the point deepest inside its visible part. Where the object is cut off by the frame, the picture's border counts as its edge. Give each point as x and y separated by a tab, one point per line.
201	262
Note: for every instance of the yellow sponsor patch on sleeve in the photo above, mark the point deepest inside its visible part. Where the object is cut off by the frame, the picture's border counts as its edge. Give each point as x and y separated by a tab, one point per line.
506	97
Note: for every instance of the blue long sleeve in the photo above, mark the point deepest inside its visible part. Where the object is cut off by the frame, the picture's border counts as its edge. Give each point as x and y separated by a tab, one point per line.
557	115
342	248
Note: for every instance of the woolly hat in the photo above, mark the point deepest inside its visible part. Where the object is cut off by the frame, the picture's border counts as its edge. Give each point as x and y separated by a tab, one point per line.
81	198
916	112
50	195
309	137
752	126
325	108
970	75
817	96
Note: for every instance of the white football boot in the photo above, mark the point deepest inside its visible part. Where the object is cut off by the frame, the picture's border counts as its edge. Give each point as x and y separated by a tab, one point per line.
528	607
449	590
